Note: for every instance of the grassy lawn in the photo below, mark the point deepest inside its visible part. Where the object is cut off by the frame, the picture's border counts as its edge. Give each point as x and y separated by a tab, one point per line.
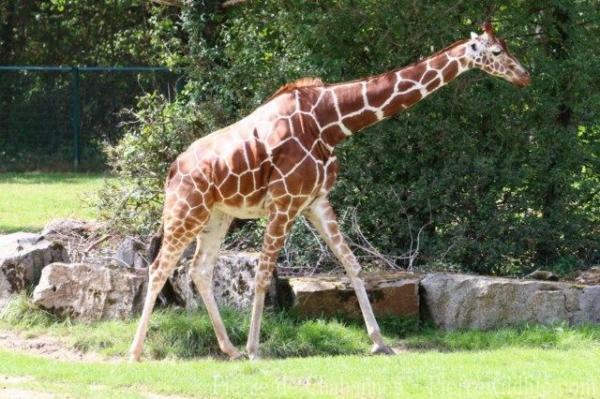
506	373
526	362
29	200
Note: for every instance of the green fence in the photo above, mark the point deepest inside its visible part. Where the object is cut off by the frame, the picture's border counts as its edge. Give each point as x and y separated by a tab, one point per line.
56	118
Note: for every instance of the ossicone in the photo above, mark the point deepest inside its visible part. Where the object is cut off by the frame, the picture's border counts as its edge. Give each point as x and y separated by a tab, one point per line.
487	27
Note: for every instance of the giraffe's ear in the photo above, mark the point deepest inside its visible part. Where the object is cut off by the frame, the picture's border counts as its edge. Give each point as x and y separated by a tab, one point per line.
474	35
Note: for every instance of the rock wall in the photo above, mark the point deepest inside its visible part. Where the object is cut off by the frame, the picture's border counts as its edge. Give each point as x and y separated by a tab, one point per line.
451	301
458	301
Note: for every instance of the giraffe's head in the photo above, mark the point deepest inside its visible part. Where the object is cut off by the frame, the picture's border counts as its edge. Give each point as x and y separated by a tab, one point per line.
490	54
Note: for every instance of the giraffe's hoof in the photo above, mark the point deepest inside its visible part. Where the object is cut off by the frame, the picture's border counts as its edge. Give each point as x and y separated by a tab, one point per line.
254	356
382	349
235	355
133	358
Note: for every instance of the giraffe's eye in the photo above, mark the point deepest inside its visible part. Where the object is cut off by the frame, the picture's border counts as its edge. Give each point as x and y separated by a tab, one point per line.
496	52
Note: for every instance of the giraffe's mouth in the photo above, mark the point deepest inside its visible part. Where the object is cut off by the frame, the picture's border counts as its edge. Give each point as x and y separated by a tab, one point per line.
523	80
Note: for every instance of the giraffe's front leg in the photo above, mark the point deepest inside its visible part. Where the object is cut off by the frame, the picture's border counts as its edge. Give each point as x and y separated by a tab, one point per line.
203	264
277	228
322	216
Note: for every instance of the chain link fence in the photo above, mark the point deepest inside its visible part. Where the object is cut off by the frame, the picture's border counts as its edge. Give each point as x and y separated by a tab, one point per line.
56	118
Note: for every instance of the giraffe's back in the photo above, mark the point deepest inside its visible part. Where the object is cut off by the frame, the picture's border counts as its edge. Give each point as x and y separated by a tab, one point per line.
269	155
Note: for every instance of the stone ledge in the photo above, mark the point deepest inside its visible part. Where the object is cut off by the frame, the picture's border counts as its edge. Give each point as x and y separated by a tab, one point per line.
460	301
391	294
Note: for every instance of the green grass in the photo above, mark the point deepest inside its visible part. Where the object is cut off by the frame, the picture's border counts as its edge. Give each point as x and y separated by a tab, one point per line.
525	362
29	200
505	373
177	334
182	335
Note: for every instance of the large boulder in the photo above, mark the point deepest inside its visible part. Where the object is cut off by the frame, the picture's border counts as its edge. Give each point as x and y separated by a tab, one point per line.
394	294
22	258
131	253
233	282
88	292
457	301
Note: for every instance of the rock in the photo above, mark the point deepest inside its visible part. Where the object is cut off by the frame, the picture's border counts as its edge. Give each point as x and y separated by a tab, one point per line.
589	306
90	293
131	252
233	282
395	294
543	275
68	227
590	276
22	258
456	301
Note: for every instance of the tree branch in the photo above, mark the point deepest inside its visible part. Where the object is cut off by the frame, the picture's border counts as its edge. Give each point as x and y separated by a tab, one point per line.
171	3
232	3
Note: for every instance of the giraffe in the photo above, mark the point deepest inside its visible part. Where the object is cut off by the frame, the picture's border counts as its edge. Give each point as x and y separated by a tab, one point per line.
279	163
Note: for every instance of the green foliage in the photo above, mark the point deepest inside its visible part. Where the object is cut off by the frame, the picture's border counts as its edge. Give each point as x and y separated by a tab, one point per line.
75	32
35	107
500	180
159	131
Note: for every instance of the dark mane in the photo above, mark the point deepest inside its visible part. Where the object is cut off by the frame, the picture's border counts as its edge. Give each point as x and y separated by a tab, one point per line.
303	82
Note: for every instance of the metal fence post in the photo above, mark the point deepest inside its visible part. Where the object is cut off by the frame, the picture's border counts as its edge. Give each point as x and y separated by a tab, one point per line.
76	117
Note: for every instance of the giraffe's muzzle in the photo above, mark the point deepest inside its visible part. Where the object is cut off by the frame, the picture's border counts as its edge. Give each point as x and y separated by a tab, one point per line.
523	81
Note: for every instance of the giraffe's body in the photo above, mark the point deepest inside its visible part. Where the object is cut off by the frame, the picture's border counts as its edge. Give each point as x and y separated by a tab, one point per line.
279	162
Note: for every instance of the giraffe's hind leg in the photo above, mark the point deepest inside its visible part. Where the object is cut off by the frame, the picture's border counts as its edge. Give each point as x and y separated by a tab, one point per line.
178	233
209	242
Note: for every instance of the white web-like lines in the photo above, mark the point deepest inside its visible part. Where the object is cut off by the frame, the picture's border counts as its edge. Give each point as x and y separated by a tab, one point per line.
264	129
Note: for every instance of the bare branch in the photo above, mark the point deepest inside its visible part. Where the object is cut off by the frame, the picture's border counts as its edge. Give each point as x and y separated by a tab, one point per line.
97	242
170	3
231	3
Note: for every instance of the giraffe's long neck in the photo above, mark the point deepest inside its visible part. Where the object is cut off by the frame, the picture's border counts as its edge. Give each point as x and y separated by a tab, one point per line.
365	102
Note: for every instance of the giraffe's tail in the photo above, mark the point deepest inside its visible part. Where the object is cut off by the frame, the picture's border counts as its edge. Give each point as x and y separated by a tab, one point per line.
156	240
155	243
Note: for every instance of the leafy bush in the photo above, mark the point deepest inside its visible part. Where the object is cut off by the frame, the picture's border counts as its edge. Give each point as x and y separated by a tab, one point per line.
495	179
159	130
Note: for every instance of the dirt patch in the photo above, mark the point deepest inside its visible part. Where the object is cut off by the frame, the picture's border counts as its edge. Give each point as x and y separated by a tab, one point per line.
46	346
15	393
9	388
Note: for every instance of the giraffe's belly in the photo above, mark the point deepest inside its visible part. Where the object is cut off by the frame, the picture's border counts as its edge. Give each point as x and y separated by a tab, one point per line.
253	212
